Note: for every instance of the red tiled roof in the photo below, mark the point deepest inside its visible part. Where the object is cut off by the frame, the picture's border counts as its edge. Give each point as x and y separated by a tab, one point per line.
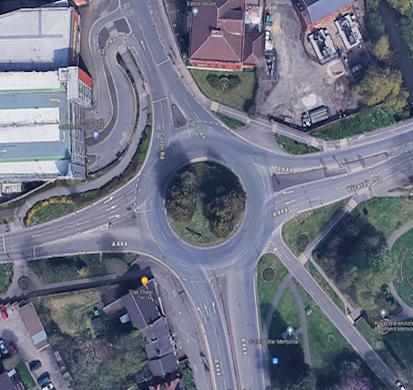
253	48
217	32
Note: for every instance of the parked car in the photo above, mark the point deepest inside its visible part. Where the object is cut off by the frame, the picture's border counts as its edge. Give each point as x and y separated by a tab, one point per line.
400	385
4	313
35	365
49	386
44	379
12	348
3	348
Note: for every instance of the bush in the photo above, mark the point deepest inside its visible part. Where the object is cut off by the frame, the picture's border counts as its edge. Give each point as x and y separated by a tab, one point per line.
223	83
213	80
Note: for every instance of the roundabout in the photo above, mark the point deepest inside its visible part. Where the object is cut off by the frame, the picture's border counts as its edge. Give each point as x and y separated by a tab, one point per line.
205	203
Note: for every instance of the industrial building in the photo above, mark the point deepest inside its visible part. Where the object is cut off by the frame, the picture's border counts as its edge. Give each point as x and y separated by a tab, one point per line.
43	94
312	13
42	38
41	115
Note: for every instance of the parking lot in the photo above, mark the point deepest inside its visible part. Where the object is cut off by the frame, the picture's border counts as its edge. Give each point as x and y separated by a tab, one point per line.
13	330
302	83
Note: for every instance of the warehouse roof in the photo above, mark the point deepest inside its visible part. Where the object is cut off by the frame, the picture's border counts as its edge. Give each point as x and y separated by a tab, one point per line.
36	38
319	9
33	137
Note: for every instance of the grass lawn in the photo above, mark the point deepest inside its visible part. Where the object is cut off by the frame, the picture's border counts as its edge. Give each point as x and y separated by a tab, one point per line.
403	283
395	348
294	147
291	364
240	97
55	207
301	230
328	347
368	119
325	286
25	375
232	123
388	214
71	311
364	269
62	269
266	290
6	274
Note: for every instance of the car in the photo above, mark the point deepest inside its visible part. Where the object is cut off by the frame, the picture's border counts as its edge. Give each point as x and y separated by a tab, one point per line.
49	386
3	312
3	348
35	365
12	348
44	379
400	385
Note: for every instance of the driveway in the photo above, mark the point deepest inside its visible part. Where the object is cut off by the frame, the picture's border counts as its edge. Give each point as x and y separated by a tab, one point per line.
302	83
14	330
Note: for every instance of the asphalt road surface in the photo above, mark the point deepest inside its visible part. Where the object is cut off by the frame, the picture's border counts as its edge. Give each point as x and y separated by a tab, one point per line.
219	281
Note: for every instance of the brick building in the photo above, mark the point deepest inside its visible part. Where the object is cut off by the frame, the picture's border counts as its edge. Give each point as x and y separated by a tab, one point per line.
221	38
313	13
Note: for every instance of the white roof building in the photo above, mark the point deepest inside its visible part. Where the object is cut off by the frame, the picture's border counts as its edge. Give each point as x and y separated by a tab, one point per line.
39	38
37	129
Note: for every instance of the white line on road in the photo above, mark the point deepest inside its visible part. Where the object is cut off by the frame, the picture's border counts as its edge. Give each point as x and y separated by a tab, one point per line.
108	200
4	245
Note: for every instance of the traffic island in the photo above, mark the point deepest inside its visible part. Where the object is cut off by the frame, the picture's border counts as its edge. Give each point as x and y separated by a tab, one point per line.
205	203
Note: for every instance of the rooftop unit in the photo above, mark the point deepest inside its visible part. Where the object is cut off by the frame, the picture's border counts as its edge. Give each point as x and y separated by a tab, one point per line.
323	45
349	30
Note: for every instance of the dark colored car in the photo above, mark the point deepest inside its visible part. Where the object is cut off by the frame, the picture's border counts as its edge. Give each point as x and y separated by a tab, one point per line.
43	379
3	312
35	365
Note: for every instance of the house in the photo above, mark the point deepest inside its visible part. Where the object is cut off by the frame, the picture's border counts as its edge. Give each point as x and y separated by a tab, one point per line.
313	13
163	366
223	37
142	311
34	326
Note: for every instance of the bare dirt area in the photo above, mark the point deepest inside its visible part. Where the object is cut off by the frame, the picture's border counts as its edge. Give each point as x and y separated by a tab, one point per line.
302	83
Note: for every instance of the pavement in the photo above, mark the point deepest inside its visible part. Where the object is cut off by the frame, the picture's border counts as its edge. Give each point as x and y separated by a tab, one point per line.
219	281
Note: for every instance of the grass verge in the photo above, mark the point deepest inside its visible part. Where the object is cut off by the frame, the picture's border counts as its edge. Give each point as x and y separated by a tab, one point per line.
232	123
25	375
241	97
368	119
294	147
325	286
299	231
6	275
266	290
63	269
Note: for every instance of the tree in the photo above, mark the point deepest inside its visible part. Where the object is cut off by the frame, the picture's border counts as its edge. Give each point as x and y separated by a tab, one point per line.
223	212
381	49
182	196
383	85
401	5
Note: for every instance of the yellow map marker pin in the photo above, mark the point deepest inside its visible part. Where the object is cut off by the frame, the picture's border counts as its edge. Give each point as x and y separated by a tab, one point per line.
144	281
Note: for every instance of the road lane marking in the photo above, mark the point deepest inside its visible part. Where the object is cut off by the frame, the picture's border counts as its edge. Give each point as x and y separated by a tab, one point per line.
4	245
